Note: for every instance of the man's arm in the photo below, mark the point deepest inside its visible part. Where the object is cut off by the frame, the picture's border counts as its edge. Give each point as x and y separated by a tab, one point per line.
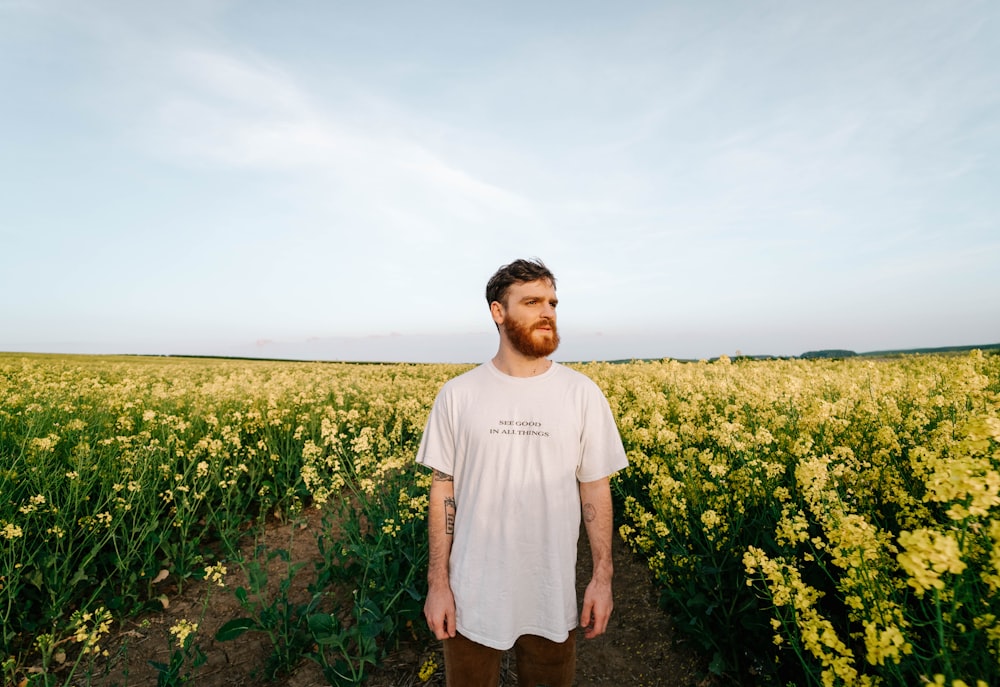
595	498
439	608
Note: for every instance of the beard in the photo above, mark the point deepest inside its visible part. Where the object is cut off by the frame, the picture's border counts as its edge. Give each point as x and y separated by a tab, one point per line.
527	342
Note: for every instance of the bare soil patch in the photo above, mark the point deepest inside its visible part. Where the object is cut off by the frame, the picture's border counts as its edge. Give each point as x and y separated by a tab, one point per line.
640	649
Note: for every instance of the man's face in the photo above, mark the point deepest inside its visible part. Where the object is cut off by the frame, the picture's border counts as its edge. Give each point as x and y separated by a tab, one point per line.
529	319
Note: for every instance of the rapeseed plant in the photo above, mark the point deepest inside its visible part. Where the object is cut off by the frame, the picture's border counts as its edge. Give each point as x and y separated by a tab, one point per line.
843	512
857	483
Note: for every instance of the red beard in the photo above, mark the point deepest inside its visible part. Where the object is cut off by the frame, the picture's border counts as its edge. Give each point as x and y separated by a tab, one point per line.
525	341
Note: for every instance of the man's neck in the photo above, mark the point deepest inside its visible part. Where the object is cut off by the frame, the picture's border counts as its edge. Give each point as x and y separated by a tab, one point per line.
512	363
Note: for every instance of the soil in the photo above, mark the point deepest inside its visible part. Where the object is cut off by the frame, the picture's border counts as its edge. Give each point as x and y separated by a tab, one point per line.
640	648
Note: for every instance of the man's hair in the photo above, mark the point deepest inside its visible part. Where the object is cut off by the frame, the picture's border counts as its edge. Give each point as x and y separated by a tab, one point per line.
517	272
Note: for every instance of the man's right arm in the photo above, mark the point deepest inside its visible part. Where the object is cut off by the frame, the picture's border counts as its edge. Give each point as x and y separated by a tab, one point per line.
439	608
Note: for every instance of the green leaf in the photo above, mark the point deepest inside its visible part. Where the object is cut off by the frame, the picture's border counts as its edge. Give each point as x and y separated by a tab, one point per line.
279	553
79	576
717	666
34	577
256	576
234	628
325	628
370	629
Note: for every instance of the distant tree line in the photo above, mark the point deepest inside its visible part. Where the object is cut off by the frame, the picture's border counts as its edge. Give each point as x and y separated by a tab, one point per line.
829	353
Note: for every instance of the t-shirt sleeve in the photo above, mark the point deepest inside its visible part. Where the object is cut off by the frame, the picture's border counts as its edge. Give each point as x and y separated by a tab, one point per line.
601	451
437	445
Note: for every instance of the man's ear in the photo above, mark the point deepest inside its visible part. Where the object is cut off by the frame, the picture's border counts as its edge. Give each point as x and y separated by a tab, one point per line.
497	310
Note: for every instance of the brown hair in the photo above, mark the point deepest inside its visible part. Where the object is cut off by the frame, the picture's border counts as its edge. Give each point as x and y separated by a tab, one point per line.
517	272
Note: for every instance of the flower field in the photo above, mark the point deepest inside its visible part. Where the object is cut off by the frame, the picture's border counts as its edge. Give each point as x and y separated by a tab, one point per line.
113	470
809	522
821	523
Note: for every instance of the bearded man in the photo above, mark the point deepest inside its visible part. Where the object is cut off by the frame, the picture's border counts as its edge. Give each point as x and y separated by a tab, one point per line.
520	447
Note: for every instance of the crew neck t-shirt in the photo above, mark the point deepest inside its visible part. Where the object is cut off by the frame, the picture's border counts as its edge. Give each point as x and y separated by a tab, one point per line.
517	448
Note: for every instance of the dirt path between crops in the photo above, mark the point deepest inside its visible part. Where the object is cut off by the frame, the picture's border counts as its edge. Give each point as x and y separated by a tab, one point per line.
640	648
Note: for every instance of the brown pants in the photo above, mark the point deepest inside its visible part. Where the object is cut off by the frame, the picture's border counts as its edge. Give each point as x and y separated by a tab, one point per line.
540	662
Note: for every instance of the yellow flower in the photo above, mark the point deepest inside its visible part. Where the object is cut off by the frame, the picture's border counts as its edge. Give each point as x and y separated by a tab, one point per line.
89	627
792	529
940	681
710	519
883	643
11	531
216	574
427	669
926	556
182	629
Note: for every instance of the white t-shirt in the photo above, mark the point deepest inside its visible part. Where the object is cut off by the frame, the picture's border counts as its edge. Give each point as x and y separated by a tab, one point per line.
517	448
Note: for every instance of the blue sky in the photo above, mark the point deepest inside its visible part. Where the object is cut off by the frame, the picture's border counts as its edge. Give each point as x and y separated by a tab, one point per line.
338	180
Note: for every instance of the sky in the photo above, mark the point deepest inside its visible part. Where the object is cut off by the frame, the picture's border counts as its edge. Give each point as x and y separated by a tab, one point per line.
338	180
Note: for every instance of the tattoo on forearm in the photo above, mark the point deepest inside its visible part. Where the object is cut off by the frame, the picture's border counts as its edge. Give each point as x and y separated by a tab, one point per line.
441	477
589	512
449	515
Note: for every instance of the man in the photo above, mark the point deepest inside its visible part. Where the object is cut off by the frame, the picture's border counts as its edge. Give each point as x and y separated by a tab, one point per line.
519	447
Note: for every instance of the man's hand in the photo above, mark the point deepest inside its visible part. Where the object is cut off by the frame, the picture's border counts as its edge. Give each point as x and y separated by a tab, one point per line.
597	605
439	609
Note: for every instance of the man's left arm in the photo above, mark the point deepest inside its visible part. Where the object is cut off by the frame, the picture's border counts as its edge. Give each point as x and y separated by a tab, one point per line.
595	498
